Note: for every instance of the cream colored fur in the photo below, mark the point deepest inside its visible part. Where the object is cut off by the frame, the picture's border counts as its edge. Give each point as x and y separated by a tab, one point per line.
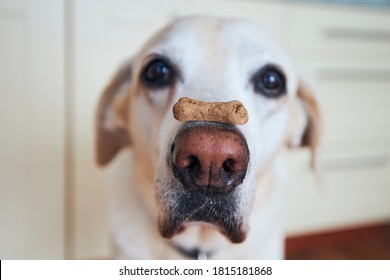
135	127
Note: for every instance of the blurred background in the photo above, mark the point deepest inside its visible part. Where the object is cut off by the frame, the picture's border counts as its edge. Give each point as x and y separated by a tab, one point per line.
57	55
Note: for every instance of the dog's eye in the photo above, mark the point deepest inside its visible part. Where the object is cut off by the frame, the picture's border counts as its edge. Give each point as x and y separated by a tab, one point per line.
270	82
157	74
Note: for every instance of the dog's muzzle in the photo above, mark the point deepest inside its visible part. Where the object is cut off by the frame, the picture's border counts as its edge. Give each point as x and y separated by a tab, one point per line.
209	163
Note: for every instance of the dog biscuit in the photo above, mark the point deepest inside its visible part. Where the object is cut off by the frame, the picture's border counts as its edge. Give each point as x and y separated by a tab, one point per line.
233	112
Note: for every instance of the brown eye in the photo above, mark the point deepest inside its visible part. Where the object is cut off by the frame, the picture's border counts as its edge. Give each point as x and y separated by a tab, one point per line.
270	82
158	74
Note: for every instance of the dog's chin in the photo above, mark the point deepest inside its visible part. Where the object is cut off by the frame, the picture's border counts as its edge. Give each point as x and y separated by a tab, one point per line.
216	218
235	232
197	238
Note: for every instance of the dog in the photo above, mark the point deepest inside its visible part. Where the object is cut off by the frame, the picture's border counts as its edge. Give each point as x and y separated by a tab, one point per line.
203	188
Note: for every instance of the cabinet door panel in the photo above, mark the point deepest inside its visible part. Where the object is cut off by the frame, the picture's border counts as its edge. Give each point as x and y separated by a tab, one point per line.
323	27
355	190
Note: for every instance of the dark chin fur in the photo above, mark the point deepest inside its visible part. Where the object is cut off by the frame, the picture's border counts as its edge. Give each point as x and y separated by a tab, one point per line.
220	211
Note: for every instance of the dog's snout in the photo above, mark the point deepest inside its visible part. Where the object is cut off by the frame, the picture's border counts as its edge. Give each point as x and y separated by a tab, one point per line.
211	159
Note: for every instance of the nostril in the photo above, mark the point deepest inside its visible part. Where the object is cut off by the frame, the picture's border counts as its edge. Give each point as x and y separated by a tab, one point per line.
172	148
193	164
228	165
186	162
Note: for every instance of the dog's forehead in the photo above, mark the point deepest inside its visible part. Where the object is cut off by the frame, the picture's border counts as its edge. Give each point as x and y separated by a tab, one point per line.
208	39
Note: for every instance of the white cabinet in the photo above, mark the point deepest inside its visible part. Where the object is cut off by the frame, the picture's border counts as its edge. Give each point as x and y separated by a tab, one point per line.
339	28
347	51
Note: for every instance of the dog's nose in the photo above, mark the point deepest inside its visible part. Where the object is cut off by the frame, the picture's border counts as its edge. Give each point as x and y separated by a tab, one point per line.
210	158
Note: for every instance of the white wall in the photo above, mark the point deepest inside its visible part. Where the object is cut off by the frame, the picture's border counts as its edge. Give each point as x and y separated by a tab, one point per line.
32	129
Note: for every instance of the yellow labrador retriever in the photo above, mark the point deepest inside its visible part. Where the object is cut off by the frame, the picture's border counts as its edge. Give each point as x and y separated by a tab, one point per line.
203	187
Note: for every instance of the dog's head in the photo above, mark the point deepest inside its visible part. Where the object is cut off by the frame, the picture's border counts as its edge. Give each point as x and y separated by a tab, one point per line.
204	172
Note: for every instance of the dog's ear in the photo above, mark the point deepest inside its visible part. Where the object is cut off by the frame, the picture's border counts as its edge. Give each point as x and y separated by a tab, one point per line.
306	122
111	117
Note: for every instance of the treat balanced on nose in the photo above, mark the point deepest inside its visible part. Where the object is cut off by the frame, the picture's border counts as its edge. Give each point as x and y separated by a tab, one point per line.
233	112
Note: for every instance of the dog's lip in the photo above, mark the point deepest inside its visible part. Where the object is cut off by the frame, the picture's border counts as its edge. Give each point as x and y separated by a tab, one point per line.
235	231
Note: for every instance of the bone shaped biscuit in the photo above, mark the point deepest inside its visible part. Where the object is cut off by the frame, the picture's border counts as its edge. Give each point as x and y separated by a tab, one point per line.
187	109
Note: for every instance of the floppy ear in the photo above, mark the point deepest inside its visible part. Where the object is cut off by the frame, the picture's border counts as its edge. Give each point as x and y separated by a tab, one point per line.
306	122
111	117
